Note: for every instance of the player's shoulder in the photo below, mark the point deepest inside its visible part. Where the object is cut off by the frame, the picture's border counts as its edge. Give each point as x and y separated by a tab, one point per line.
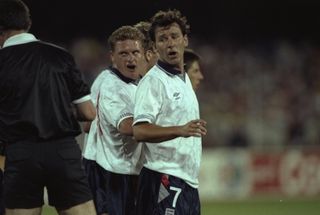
102	75
111	83
98	80
154	78
153	74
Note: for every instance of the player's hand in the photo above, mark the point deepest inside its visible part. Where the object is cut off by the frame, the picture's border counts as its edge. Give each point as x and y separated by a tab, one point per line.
196	128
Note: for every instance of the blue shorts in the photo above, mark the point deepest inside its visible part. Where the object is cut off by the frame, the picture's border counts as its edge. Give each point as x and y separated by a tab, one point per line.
113	193
161	194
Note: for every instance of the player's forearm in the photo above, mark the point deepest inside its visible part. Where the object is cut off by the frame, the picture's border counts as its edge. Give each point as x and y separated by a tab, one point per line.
151	133
125	127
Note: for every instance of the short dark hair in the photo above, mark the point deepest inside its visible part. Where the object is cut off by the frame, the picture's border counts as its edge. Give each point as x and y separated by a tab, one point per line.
189	56
165	18
144	27
125	33
14	15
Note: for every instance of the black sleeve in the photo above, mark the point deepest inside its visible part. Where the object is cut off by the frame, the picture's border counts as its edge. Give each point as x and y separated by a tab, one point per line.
3	146
76	85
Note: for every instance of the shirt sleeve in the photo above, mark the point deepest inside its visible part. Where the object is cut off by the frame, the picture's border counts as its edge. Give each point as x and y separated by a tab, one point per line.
79	90
148	100
115	105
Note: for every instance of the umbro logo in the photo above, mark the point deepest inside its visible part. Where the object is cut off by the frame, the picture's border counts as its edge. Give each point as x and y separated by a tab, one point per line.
176	95
169	211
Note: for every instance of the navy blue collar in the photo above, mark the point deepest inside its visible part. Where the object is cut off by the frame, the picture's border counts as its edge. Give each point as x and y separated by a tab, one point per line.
122	77
168	68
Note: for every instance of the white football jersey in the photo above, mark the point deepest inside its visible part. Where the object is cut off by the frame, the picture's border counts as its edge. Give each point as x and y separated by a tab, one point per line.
115	152
89	150
165	97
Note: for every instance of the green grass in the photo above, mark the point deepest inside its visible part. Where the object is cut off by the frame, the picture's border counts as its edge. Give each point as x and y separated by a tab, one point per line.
262	207
49	211
251	207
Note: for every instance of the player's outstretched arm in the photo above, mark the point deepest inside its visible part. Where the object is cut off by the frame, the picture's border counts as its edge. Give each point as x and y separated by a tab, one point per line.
147	132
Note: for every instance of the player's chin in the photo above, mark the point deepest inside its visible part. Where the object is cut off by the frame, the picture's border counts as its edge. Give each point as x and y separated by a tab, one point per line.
196	85
173	60
135	74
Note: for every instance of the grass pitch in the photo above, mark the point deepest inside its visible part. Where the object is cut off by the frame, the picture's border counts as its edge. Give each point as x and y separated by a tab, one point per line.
263	207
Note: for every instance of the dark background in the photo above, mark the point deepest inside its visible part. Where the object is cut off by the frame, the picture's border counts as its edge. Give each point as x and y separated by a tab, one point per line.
260	60
241	20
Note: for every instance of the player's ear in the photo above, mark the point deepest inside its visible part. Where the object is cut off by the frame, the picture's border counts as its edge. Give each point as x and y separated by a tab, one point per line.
185	40
148	55
111	56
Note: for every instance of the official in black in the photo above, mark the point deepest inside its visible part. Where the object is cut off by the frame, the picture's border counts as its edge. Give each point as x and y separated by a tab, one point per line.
42	97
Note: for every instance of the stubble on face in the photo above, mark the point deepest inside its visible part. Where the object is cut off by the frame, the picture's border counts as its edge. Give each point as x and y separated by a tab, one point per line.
170	43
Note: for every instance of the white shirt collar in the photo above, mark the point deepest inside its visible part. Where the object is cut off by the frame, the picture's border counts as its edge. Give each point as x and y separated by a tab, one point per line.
19	39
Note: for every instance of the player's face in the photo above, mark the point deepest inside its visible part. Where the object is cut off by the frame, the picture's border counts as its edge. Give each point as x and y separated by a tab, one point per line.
170	44
128	58
195	74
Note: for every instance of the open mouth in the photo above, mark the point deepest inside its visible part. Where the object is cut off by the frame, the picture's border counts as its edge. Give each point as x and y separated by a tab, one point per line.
173	54
131	66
